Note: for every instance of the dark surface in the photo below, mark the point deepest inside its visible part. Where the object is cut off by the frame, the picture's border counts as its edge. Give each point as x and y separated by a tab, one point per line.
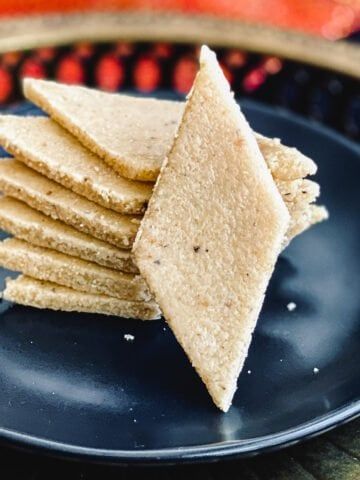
72	378
334	456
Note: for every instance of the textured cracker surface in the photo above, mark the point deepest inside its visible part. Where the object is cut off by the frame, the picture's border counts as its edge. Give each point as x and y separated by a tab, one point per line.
46	147
45	195
28	224
57	155
131	134
208	243
299	196
285	163
34	227
134	135
302	219
40	294
298	192
53	266
23	183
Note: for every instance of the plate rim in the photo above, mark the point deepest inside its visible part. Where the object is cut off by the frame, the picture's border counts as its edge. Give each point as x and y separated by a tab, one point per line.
189	454
206	452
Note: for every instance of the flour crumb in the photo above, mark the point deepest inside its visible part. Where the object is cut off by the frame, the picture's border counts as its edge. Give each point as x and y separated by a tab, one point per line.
316	370
249	372
291	306
128	337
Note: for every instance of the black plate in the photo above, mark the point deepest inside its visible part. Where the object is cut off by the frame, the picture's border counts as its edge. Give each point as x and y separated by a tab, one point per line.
70	384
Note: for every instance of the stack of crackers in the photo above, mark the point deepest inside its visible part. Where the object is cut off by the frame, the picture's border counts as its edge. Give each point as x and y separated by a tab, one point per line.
225	203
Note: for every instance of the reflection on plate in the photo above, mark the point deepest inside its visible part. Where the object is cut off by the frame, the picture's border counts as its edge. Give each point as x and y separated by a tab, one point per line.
71	384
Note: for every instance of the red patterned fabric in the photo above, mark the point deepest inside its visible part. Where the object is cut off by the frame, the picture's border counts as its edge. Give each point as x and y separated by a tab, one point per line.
330	18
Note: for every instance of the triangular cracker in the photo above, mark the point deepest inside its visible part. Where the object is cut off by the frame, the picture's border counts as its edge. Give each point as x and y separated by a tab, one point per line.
212	233
133	134
48	197
23	183
53	266
49	149
100	120
40	294
28	224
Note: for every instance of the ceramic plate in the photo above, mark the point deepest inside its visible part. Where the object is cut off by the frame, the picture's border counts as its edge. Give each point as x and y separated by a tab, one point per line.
70	384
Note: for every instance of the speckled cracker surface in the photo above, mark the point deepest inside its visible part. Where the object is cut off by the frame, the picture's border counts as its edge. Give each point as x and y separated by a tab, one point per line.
299	196
28	224
285	163
303	219
131	134
47	196
47	264
40	294
299	191
134	134
46	147
212	233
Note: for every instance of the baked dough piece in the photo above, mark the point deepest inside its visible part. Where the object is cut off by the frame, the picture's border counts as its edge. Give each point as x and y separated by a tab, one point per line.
209	241
285	163
40	294
23	183
28	224
134	134
46	264
49	149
